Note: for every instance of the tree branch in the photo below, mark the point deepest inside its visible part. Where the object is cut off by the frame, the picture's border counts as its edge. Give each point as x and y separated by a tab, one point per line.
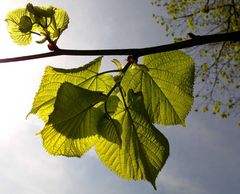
137	52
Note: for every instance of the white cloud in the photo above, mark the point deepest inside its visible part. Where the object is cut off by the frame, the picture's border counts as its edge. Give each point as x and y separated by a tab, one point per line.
25	167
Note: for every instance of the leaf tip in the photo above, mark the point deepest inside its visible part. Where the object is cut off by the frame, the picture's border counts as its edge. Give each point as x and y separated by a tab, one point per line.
184	124
28	115
154	185
39	133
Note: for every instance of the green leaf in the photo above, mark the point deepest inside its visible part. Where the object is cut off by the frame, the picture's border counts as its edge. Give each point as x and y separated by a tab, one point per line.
17	28
41	11
42	18
117	63
48	22
25	24
110	129
216	107
143	150
86	77
72	126
166	87
59	23
140	66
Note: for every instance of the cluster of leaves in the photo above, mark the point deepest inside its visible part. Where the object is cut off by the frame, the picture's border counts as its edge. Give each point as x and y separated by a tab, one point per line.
114	113
47	22
83	108
217	65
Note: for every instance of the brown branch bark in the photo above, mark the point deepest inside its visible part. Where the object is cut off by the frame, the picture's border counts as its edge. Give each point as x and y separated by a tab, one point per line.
137	52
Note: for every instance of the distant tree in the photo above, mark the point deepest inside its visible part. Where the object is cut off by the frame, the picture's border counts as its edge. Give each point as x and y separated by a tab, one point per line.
217	65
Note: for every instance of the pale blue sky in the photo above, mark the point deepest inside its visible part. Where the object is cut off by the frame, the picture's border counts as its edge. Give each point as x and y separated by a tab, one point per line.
204	157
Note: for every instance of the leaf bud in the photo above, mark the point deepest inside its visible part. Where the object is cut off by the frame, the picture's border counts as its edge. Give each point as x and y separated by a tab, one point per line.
52	46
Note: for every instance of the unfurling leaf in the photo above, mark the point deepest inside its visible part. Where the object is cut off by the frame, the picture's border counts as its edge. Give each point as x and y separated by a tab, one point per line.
58	24
48	22
40	11
117	63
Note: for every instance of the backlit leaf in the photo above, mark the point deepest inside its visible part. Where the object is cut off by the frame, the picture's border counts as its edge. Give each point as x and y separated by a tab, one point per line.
25	24
48	22
21	37
117	63
86	77
40	11
144	149
166	87
72	126
59	24
110	129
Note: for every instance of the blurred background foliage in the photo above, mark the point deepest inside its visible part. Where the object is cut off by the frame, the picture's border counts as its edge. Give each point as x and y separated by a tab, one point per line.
217	84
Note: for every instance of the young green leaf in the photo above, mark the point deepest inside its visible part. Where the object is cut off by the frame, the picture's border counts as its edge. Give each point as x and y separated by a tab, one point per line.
117	63
40	11
48	22
86	77
73	124
59	23
166	87
25	24
19	26
143	150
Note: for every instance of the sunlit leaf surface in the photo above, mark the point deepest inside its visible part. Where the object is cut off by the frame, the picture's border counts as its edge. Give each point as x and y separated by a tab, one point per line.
144	149
13	22
48	22
72	126
166	86
86	77
59	24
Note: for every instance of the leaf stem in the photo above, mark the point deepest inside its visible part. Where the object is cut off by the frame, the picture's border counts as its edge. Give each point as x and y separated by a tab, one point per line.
108	95
138	52
122	94
110	71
